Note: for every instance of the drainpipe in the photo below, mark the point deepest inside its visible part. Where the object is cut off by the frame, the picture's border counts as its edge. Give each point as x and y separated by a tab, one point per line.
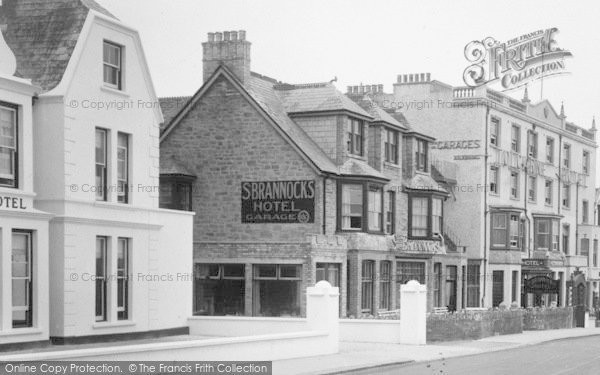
577	218
526	196
485	205
559	172
324	204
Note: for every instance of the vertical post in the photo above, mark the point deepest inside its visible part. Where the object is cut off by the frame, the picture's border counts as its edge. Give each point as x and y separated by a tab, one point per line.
322	313
413	313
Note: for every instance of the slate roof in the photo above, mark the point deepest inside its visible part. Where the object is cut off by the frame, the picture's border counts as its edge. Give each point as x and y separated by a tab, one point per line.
353	167
172	166
423	182
170	107
379	114
316	97
42	34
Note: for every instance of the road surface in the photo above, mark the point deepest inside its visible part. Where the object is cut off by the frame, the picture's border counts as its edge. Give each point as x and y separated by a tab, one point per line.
580	356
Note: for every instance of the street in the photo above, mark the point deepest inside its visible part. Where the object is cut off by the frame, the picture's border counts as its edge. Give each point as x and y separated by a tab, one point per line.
571	356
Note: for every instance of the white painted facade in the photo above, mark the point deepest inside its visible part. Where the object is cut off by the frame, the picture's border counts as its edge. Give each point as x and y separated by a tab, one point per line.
20	222
159	241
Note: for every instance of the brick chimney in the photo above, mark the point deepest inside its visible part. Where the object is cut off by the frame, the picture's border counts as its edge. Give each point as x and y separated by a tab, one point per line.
229	48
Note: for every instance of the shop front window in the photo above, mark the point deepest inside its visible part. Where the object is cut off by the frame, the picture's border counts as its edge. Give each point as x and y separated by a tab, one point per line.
219	289
277	290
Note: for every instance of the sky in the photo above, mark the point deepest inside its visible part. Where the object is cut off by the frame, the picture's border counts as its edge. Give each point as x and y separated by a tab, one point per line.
368	42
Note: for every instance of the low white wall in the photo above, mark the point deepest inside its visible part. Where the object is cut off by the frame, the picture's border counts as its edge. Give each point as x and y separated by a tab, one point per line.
363	330
250	348
232	326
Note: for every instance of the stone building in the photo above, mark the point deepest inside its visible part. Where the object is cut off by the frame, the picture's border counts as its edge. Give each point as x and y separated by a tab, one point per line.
296	183
523	193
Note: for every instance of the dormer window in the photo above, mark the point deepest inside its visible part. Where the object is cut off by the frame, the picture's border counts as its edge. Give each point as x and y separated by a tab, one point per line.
421	155
391	146
112	59
355	136
8	146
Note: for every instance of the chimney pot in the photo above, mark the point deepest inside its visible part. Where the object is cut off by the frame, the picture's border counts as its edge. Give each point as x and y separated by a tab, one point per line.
374	88
226	36
428	77
219	36
405	78
380	88
349	89
355	89
242	35
211	37
411	78
234	36
422	77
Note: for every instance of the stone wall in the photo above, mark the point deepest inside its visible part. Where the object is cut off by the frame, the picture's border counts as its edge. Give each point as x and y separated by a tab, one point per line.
473	325
543	319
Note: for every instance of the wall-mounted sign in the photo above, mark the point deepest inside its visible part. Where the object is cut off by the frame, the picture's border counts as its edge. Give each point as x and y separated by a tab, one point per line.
402	243
534	263
278	202
12	203
451	145
467	157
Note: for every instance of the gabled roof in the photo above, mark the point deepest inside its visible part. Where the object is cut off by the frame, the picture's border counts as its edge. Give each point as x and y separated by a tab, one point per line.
316	97
42	34
174	167
260	93
379	114
170	107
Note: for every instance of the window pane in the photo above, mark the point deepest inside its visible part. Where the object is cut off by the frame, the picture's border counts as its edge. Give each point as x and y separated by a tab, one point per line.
352	206
375	210
420	207
266	270
289	271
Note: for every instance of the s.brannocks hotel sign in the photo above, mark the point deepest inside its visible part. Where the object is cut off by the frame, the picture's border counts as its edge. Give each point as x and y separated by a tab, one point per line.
278	202
517	62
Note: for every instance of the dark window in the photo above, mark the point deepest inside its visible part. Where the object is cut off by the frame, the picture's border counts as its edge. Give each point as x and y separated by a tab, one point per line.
548	192
9	146
391	146
122	168
355	136
367	286
329	272
473	280
565	242
515	278
437	281
495	131
586	162
451	287
390	214
585	212
585	247
515	138
421	155
497	288
101	278
176	193
22	279
407	271
219	289
567	156
595	255
494	179
566	197
532	189
123	258
101	164
277	290
385	292
550	150
514	184
112	65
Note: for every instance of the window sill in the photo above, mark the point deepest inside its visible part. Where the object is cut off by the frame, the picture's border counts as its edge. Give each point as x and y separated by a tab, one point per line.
114	91
391	165
117	324
21	331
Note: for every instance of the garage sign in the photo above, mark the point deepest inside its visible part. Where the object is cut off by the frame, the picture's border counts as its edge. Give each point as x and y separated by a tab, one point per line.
289	202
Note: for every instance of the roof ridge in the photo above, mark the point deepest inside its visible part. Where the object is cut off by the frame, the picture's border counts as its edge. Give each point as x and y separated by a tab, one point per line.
290	86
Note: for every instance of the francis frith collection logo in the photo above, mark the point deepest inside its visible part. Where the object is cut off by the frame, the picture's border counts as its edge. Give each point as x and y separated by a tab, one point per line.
516	62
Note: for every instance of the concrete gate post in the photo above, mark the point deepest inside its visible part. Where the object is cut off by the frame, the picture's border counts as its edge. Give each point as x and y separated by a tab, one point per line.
413	313
322	313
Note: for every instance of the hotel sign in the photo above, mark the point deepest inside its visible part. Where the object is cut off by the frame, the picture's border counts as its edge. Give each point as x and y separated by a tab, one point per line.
403	244
291	202
12	203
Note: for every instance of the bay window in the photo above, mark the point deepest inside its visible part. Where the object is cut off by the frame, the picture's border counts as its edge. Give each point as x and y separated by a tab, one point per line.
546	234
508	230
425	216
352	207
8	146
361	207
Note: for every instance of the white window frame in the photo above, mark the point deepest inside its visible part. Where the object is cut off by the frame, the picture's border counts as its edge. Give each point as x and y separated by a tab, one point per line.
11	149
119	68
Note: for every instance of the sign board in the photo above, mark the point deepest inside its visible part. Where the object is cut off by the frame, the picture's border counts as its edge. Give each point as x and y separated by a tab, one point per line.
542	284
12	203
289	202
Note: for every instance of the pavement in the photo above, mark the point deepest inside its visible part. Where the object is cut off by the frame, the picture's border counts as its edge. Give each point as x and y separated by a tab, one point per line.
364	356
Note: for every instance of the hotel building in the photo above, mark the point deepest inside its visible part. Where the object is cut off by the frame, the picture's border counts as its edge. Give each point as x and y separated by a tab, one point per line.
111	264
296	183
522	201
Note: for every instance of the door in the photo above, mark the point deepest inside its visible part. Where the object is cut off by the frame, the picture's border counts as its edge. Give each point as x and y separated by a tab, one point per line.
451	287
579	296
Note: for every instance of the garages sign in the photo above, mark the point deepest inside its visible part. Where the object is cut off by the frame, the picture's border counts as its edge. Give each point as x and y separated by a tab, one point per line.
278	202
